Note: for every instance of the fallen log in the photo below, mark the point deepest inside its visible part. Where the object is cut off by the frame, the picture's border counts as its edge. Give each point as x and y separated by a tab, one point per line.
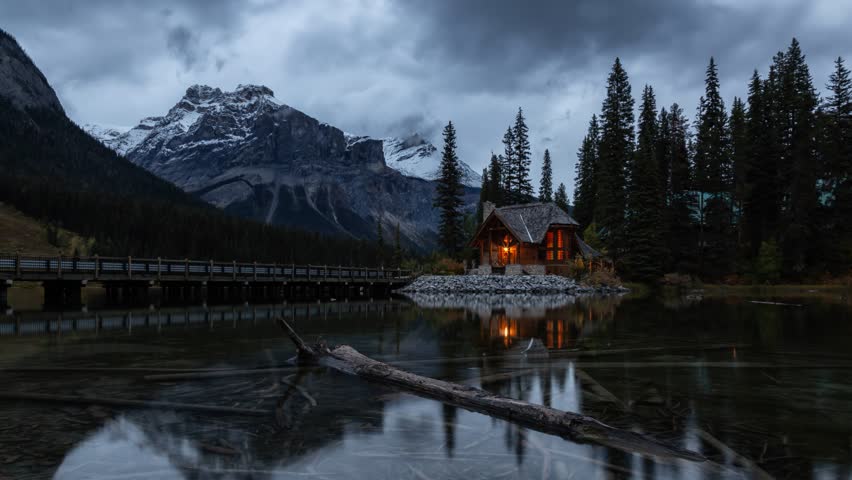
576	427
119	402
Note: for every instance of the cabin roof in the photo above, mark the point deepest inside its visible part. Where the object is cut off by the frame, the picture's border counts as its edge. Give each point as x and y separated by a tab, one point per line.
529	222
585	249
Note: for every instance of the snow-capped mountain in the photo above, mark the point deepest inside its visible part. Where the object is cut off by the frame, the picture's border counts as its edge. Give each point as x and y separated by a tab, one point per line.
248	153
416	157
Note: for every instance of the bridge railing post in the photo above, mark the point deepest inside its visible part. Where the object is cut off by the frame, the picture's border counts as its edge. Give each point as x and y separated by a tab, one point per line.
129	267
309	272
18	264
234	270
274	273
59	265
186	269
210	270
254	270
293	271
97	266
159	268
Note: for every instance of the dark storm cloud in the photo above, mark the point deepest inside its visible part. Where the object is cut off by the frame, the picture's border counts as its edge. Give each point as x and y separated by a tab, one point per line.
184	45
392	67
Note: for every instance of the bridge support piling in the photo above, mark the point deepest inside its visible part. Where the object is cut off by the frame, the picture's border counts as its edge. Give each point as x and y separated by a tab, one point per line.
5	285
61	293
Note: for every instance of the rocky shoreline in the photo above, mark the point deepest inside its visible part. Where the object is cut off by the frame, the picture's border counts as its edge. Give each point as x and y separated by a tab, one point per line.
533	284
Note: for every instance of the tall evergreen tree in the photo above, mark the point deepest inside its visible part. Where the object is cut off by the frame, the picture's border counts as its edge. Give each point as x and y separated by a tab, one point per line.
448	198
380	240
508	167
614	155
485	193
681	200
397	247
762	197
585	187
836	178
796	114
645	255
545	190
523	186
561	197
713	179
740	161
495	176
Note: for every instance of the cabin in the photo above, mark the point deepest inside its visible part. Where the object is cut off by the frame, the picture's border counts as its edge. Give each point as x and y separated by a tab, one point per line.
533	238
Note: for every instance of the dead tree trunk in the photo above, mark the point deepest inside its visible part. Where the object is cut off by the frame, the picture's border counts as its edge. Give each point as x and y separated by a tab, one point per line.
576	427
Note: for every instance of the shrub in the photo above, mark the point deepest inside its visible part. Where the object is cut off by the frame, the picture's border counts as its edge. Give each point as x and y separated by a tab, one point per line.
603	278
767	265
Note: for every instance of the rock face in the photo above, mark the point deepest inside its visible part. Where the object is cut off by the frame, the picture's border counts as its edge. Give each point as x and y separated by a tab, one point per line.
249	154
21	81
415	157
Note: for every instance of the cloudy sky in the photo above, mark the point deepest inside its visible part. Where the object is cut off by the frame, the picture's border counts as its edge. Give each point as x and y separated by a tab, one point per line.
382	67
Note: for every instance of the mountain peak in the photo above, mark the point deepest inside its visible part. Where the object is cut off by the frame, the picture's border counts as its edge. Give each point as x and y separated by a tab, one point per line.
21	82
201	92
254	91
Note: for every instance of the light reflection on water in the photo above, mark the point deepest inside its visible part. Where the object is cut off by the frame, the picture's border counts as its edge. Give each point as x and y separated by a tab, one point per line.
361	430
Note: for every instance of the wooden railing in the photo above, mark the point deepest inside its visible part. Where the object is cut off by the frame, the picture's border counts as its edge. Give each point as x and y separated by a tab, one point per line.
127	268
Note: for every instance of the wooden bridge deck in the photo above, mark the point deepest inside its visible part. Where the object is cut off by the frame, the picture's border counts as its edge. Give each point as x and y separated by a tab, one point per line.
33	268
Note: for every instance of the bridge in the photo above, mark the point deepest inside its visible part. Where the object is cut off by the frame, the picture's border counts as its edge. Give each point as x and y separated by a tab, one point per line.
128	279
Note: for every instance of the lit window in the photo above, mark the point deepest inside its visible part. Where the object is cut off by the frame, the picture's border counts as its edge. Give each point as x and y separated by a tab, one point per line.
549	239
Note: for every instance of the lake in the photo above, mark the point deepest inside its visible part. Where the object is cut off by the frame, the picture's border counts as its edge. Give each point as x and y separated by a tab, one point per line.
758	388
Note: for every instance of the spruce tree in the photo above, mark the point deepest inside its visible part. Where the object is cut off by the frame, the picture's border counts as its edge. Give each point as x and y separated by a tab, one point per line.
584	179
681	201
561	197
509	173
495	175
380	240
485	193
836	177
796	117
645	255
397	247
521	170
614	155
761	204
448	196
713	180
740	160
545	190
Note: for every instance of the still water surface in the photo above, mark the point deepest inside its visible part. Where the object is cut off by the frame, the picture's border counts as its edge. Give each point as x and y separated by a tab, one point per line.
771	383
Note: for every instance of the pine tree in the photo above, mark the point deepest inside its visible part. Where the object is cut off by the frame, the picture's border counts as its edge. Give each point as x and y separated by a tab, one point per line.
561	197
485	193
508	167
448	199
762	197
495	175
523	186
584	180
397	247
614	155
740	160
380	240
545	191
681	201
713	180
645	256
836	177
796	118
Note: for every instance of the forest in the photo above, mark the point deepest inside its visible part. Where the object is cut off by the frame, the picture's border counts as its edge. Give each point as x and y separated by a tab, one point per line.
758	193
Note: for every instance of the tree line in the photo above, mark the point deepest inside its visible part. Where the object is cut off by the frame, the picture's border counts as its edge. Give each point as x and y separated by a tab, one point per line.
762	191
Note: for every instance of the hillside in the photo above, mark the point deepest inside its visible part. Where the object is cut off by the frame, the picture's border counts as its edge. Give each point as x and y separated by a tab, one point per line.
20	233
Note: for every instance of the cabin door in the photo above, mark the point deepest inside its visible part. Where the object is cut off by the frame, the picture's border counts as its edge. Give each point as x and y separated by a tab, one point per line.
508	251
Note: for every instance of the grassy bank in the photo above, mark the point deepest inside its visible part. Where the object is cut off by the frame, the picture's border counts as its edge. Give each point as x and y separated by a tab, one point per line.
19	232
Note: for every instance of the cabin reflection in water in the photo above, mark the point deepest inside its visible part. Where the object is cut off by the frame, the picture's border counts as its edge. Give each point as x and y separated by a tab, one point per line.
558	328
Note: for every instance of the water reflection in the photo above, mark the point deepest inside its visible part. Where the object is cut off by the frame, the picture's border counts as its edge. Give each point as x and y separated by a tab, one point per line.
783	401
